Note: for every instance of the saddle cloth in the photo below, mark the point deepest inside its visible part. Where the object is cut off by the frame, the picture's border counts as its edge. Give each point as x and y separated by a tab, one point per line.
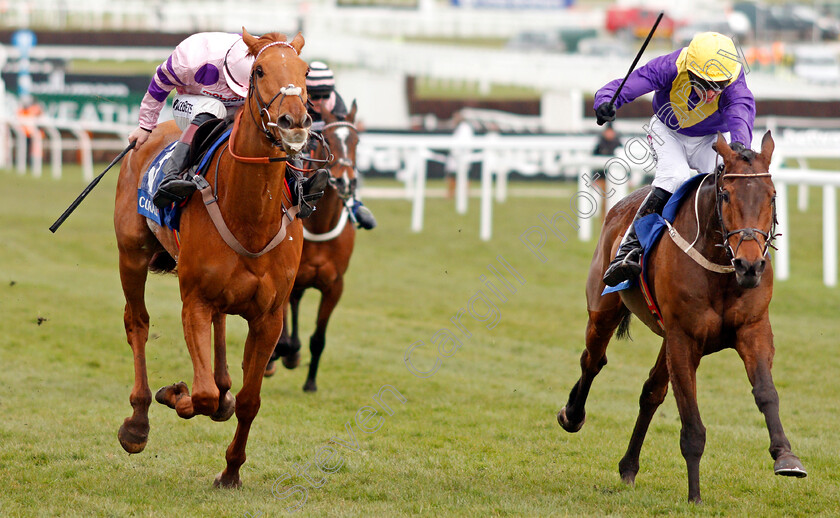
170	216
649	228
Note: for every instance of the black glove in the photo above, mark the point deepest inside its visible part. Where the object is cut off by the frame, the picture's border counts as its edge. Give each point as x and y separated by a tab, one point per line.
605	113
737	147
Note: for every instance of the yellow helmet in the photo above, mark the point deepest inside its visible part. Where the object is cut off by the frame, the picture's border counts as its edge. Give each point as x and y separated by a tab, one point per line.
713	57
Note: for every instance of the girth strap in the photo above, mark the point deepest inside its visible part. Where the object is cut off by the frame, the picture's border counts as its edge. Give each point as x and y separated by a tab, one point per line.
227	235
692	252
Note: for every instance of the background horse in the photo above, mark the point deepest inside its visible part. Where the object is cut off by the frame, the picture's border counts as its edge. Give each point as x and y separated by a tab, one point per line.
327	247
704	307
214	279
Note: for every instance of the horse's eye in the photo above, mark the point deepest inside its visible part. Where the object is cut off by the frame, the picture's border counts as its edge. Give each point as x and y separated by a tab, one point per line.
259	71
724	195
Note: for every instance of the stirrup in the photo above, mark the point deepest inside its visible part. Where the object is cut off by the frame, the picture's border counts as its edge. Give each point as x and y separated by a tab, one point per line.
623	268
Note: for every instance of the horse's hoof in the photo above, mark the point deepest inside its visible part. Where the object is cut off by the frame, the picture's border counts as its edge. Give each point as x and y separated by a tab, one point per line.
310	386
628	470
629	479
291	361
167	395
789	466
220	481
568	426
132	440
226	408
270	369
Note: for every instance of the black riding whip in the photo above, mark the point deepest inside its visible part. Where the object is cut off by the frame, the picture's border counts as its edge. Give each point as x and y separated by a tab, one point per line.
89	188
638	56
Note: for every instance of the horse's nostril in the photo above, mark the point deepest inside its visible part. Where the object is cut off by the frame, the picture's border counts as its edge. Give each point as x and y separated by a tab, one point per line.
307	121
285	121
760	265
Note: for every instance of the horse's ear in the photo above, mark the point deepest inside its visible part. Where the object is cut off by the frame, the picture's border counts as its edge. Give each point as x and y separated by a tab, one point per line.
352	115
248	39
722	147
767	147
298	42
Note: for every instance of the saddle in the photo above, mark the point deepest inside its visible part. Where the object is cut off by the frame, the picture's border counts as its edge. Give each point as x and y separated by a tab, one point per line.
204	139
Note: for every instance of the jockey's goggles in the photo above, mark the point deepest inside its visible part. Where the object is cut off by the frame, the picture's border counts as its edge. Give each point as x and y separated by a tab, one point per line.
707	85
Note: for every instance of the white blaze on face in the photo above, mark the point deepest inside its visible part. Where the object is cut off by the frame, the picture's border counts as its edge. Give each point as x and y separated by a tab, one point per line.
342	134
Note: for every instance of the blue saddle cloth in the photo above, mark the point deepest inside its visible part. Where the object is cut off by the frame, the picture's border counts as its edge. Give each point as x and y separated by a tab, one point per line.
649	228
170	216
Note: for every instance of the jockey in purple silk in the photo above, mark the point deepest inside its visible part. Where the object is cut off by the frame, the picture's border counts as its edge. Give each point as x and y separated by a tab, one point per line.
699	90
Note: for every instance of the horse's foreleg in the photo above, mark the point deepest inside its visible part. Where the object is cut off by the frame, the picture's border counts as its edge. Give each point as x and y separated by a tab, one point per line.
262	335
683	360
599	330
220	370
653	394
134	431
755	346
204	398
329	299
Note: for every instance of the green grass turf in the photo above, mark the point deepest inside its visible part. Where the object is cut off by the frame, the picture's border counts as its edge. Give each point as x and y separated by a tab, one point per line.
477	438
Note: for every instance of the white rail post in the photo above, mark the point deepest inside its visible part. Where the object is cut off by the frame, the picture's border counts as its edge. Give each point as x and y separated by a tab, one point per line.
37	151
86	151
829	235
55	150
782	255
463	154
802	193
20	154
486	231
418	165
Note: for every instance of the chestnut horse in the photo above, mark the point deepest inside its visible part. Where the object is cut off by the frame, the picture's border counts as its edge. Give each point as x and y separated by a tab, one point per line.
248	179
704	307
328	244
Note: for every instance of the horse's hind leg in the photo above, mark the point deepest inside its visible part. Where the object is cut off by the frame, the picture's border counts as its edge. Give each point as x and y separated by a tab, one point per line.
134	263
599	330
262	336
755	346
653	394
221	376
329	299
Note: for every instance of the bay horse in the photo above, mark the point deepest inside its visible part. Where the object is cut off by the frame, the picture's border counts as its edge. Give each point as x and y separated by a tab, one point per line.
713	295
254	202
328	244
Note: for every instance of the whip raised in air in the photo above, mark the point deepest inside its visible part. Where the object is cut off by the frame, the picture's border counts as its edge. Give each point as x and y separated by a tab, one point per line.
638	56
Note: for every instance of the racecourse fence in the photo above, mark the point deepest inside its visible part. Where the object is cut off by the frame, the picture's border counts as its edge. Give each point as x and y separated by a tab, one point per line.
408	157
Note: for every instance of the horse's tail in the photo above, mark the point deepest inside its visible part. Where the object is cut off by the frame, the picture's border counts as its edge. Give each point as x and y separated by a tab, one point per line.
624	325
162	262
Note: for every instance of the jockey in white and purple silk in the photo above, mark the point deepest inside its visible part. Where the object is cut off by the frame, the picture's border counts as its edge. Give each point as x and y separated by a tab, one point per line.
210	72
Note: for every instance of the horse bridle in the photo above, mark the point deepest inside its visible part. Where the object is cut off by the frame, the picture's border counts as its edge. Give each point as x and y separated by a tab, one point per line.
330	162
746	234
265	121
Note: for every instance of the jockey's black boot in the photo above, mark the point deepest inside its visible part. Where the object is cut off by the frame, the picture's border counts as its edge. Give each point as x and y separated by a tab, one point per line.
174	187
306	191
626	265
